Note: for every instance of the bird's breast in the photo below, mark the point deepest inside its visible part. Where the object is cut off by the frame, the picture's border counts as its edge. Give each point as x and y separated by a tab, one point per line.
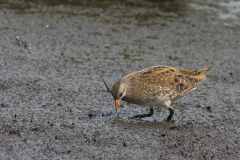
148	95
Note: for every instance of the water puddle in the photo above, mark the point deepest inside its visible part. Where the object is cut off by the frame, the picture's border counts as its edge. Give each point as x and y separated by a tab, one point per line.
228	12
232	10
123	115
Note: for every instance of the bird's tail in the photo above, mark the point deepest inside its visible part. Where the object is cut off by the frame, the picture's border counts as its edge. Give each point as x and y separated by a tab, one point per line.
202	72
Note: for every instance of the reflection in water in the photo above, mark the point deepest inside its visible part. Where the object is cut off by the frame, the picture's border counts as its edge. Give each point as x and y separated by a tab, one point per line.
233	10
162	5
123	115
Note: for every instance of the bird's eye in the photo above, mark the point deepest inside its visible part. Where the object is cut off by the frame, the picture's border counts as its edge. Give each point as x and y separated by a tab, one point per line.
120	94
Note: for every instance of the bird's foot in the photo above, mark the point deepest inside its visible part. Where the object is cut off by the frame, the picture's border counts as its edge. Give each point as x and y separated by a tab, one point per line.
142	116
169	118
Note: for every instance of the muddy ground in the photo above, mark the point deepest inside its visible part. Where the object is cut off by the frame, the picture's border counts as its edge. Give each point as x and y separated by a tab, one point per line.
55	106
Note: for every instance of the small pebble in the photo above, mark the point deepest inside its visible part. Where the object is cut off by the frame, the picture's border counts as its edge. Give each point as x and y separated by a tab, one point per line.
3	105
199	106
163	135
173	127
209	108
90	115
88	141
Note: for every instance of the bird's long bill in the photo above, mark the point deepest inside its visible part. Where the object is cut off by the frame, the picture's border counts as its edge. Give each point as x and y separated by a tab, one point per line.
117	103
106	84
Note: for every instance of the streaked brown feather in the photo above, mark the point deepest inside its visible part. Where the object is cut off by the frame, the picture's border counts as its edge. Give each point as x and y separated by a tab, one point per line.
159	81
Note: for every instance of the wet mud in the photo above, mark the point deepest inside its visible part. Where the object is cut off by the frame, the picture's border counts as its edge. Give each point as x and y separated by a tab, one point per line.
54	105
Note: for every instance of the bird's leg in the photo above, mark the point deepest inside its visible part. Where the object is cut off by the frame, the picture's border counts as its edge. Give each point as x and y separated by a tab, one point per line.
145	115
169	118
171	110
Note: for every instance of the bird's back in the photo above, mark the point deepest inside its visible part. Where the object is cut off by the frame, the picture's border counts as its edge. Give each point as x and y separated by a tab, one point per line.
157	84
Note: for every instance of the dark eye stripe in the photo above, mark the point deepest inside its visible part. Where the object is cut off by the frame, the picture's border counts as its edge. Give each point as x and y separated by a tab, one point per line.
121	95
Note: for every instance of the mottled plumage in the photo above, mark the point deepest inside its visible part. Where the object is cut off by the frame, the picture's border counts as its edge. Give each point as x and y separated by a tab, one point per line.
157	86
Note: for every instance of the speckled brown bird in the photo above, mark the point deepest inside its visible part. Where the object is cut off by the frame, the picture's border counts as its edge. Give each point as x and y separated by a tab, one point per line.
157	86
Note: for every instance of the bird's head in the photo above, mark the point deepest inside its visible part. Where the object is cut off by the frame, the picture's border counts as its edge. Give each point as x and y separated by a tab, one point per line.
118	92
